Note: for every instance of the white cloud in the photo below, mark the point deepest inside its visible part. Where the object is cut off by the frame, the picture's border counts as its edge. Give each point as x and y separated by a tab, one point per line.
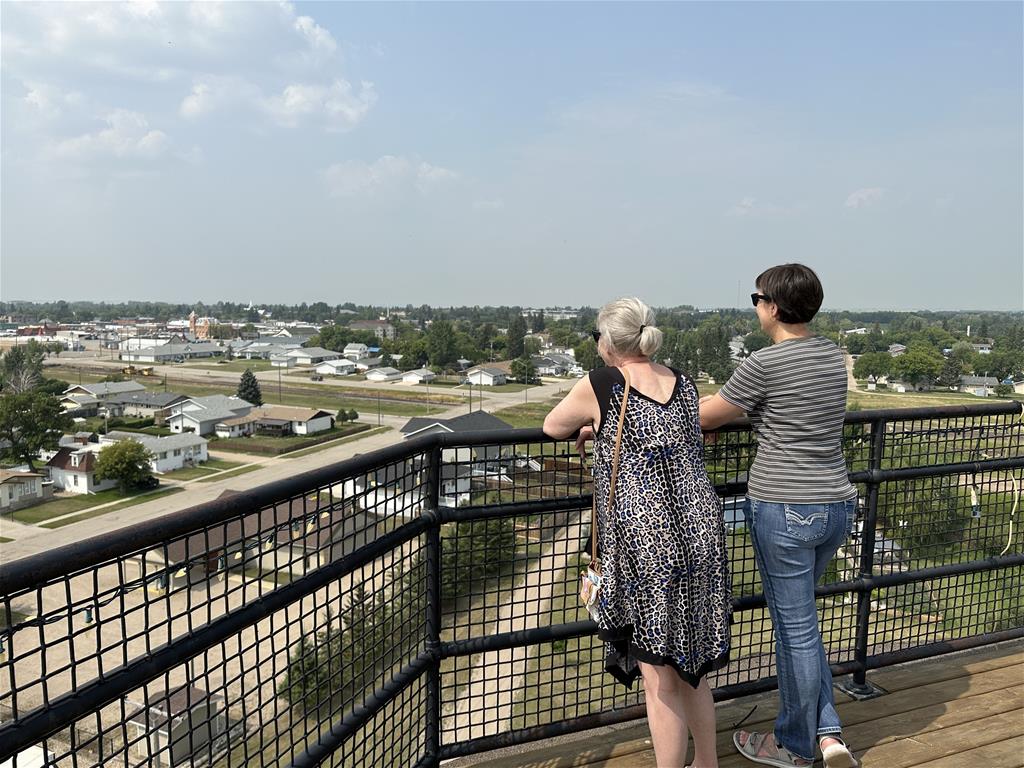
744	207
751	207
339	106
321	41
127	135
862	198
388	174
48	100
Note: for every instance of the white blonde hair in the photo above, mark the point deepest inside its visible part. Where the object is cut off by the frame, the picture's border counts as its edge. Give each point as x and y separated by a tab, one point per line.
628	326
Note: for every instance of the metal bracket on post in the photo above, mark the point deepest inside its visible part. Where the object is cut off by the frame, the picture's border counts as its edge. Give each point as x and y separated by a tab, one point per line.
859	691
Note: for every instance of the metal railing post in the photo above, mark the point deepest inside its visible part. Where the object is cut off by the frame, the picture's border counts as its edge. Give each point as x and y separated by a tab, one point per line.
433	534
859	687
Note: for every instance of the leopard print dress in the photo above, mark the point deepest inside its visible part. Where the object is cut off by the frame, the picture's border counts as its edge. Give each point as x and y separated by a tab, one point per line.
665	594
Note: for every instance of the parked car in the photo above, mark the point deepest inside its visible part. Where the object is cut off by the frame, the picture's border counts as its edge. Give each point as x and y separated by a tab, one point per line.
316	377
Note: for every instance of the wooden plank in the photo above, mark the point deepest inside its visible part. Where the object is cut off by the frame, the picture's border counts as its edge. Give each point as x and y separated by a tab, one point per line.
1008	753
912	687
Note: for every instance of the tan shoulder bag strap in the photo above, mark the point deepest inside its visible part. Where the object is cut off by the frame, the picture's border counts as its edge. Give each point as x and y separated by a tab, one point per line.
615	471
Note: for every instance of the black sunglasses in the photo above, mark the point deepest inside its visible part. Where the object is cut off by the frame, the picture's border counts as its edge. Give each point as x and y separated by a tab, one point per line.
756	297
596	334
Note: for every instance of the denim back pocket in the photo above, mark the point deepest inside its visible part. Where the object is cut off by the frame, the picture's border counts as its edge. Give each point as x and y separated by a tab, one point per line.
807	522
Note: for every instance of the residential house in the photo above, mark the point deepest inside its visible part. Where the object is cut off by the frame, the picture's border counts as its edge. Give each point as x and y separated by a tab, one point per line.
383	374
202	414
366	363
1018	386
104	390
73	470
895	350
468	422
80	406
147	405
265	350
340	367
276	420
355	351
487	377
313	355
172	353
419	376
22	489
170	452
283	361
982	349
178	728
981	386
382	329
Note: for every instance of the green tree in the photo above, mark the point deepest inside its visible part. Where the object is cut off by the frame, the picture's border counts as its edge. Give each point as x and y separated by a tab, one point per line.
872	364
531	346
756	340
537	322
587	356
516	332
918	365
950	374
21	367
126	461
523	370
30	422
342	416
1002	390
249	388
353	415
441	346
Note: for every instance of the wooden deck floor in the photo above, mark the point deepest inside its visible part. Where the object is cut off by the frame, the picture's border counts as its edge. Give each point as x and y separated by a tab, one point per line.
965	710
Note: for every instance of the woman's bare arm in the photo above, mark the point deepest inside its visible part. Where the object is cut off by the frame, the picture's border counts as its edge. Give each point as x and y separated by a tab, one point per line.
578	409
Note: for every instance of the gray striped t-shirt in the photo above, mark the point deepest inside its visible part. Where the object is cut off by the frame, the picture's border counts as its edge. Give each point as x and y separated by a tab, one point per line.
795	395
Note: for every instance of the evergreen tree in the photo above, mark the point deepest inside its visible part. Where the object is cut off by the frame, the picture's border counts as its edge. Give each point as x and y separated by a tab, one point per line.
516	332
537	322
441	344
249	388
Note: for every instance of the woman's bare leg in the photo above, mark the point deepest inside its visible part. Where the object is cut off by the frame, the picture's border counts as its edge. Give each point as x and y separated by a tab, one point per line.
666	714
699	706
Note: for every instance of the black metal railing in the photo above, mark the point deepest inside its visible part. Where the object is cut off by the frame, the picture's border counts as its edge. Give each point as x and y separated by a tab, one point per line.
418	603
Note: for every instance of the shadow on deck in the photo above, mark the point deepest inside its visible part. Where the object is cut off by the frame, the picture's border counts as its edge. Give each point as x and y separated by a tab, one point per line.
961	710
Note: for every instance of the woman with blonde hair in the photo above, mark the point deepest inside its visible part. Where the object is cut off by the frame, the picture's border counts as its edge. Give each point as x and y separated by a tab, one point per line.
664	600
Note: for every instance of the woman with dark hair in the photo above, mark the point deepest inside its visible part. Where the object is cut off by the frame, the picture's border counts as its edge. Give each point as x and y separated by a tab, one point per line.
664	599
800	504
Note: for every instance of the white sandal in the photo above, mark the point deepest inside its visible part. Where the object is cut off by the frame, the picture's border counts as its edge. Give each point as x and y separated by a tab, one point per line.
837	755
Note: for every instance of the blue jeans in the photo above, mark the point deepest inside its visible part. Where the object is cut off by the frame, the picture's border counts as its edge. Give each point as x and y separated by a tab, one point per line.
793	543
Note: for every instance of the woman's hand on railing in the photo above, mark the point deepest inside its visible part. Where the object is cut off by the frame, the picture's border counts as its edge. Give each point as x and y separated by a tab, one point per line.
585	434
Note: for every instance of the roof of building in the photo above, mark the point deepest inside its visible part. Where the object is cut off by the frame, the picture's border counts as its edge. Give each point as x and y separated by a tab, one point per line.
171	705
104	388
978	381
150	399
279	413
420	372
369	361
312	352
386	371
342	362
62	460
158	444
7	475
82	399
488	370
353	345
215	407
467	422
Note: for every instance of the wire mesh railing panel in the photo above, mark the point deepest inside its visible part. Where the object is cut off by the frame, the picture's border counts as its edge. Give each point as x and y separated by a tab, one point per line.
256	632
412	601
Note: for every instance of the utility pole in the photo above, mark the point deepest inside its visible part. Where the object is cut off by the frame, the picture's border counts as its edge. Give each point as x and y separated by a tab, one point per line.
378	408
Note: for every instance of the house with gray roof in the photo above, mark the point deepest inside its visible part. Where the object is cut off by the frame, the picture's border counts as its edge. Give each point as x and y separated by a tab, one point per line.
146	405
104	390
313	355
201	414
169	453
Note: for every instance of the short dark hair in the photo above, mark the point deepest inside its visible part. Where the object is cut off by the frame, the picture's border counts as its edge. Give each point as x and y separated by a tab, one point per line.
794	289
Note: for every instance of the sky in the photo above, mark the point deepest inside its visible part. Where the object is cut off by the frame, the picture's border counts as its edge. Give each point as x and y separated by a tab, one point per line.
512	153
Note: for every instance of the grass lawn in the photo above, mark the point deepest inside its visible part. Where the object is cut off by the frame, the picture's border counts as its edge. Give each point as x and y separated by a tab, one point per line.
65	505
230	473
266	445
190	473
333	443
527	414
130	502
888	399
230	365
221	464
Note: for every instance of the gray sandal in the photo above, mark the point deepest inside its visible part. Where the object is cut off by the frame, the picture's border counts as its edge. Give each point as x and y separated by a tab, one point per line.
774	754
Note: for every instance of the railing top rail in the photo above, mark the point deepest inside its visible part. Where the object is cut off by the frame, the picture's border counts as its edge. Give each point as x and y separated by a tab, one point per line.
35	569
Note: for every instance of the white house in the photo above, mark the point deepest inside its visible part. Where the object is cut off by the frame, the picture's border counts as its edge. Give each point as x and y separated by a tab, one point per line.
177	728
169	453
104	390
340	367
73	469
276	420
313	355
364	364
419	376
383	374
981	386
22	489
202	414
895	350
282	361
487	377
355	351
